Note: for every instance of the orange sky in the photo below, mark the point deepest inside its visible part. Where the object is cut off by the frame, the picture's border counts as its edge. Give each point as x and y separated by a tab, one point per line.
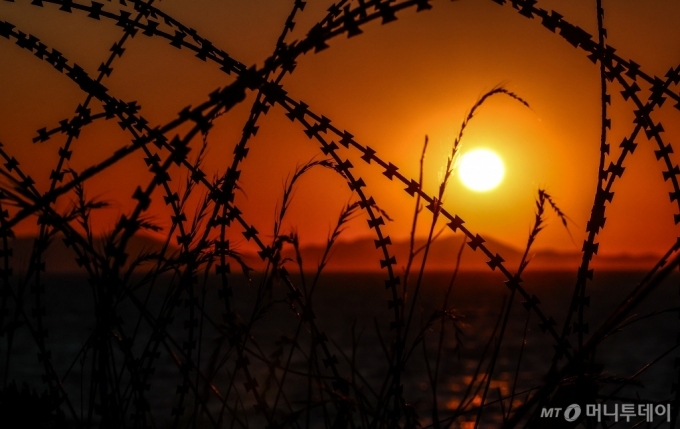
389	87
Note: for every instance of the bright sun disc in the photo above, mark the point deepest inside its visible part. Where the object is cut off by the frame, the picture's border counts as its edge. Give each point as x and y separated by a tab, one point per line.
481	170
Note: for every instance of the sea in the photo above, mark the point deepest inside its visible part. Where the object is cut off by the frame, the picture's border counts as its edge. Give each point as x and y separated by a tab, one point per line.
636	363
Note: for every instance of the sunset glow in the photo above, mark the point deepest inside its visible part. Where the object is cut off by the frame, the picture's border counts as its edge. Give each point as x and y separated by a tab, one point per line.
364	86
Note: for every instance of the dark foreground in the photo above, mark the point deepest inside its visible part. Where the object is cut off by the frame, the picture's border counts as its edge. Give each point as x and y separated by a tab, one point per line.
635	365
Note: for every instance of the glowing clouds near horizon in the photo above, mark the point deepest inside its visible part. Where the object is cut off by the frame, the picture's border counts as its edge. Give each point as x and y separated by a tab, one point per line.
480	170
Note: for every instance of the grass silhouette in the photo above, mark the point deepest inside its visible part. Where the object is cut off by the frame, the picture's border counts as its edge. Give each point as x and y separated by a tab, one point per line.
180	305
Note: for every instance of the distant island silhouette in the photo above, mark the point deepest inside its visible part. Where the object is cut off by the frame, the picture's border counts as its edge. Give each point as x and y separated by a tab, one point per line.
360	256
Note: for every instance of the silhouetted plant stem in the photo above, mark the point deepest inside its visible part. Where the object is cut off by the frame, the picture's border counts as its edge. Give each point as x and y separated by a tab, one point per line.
434	376
416	213
519	362
464	400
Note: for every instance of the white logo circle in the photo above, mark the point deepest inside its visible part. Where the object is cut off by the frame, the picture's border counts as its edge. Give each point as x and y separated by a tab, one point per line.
572	412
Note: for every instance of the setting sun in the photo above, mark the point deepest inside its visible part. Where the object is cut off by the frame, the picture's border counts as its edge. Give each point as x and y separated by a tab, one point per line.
481	170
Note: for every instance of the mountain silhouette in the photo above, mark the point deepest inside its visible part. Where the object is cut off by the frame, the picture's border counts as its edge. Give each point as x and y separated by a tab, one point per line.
60	259
360	255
